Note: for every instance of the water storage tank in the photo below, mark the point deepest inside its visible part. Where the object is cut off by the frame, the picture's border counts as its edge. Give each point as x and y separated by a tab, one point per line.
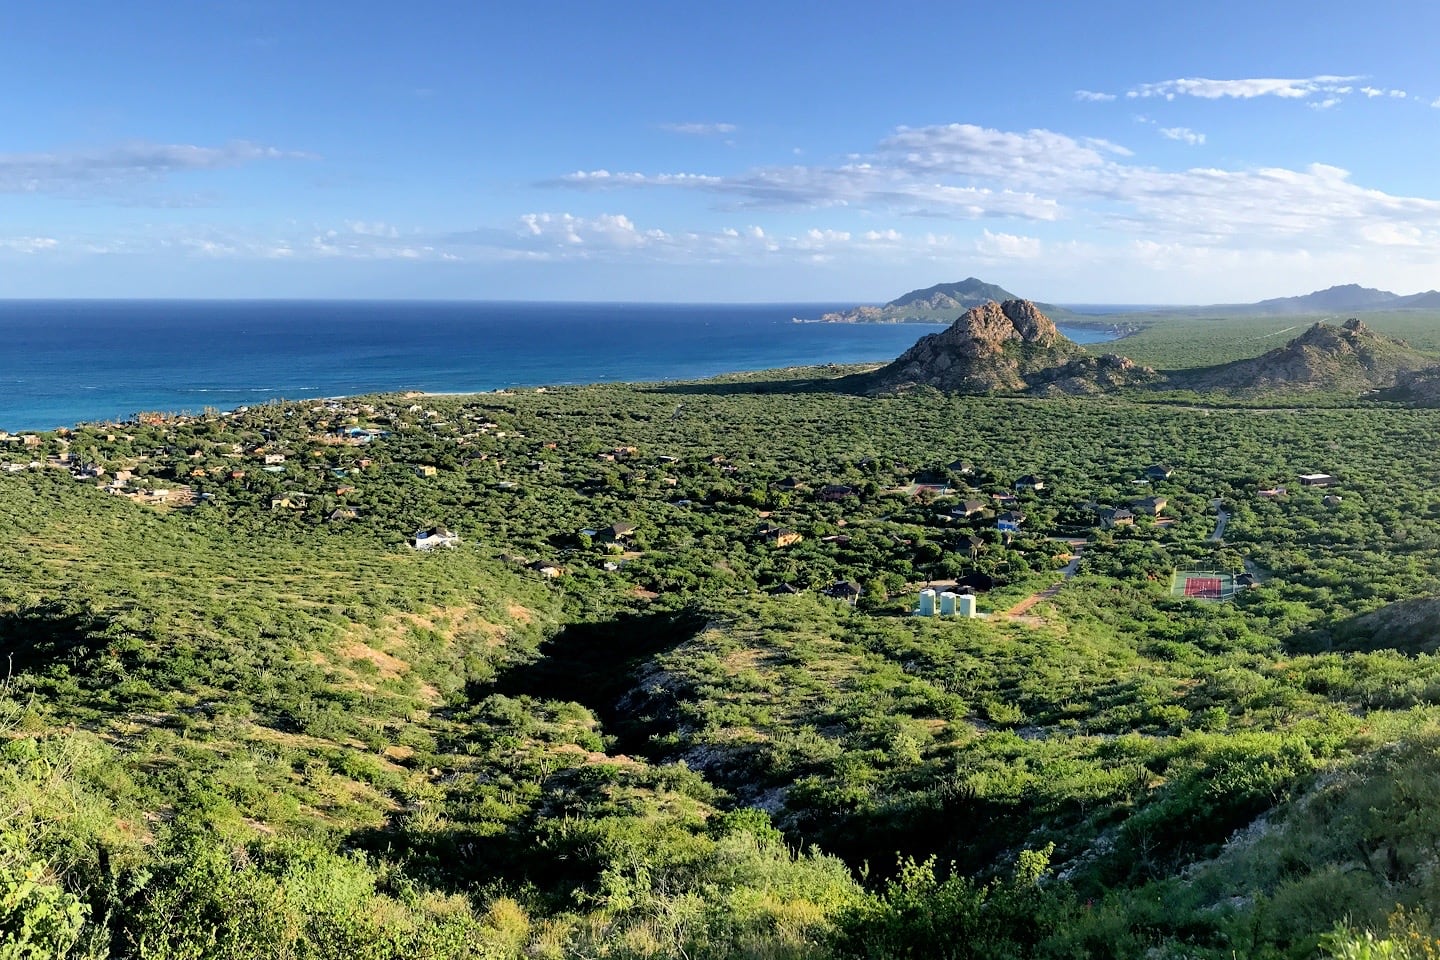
947	604
965	605
927	603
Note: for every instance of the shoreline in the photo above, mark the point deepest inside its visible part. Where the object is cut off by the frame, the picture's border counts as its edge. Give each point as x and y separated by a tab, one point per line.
107	362
838	369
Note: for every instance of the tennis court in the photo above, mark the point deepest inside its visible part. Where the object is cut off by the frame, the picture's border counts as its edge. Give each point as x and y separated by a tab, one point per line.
1203	584
1207	588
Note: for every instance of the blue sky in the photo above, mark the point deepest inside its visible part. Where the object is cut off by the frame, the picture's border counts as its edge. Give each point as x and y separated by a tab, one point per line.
1099	152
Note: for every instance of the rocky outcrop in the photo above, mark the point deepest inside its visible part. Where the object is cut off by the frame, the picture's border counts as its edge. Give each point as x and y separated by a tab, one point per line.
1009	347
1418	389
1085	376
990	347
1350	357
870	315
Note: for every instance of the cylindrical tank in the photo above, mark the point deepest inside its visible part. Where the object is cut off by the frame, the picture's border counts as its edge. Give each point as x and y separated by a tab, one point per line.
965	605
947	604
927	603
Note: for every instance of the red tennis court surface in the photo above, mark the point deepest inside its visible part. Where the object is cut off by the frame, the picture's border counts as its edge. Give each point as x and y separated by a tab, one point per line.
1207	588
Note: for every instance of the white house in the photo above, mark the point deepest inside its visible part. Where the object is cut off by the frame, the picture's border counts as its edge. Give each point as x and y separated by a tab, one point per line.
433	538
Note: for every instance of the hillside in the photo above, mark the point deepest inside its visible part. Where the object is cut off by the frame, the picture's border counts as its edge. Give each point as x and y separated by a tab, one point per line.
622	717
1325	358
1002	347
1410	627
1420	388
941	303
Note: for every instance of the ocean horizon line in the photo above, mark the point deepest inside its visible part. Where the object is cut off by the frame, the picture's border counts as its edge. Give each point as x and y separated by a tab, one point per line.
512	301
459	301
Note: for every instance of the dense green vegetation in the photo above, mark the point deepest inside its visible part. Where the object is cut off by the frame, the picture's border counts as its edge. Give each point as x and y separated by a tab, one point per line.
1171	341
624	716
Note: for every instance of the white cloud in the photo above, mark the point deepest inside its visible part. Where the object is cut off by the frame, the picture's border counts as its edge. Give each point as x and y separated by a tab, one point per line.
1371	92
700	129
29	244
906	176
125	164
963	172
1183	134
1237	218
373	229
1092	96
1396	235
1008	197
1293	89
1007	246
894	187
602	179
1248	208
354	240
614	238
970	149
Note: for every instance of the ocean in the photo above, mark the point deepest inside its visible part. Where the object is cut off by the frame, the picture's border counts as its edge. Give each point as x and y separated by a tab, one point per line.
68	361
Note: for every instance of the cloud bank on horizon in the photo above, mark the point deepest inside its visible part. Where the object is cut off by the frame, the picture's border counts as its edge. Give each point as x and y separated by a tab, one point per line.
930	181
1226	188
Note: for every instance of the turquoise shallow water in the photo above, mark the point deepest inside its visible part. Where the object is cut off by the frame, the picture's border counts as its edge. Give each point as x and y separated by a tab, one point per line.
62	362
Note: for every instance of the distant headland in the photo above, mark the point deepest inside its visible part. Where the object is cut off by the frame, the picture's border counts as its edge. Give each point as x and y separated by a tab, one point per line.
943	302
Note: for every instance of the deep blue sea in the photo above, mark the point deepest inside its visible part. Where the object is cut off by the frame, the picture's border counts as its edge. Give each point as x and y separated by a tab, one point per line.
66	361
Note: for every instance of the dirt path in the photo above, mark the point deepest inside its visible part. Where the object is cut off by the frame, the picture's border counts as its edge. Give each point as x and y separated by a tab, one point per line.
1066	572
1221	518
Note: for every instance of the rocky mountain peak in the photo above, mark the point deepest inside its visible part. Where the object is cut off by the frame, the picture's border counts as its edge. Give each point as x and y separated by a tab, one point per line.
1324	357
1349	337
992	324
994	346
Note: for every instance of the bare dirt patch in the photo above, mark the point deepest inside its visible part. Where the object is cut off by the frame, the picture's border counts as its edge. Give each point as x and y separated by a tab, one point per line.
388	665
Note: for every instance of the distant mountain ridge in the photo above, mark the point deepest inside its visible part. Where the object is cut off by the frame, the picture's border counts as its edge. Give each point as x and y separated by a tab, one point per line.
1349	296
941	303
1430	300
1342	298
